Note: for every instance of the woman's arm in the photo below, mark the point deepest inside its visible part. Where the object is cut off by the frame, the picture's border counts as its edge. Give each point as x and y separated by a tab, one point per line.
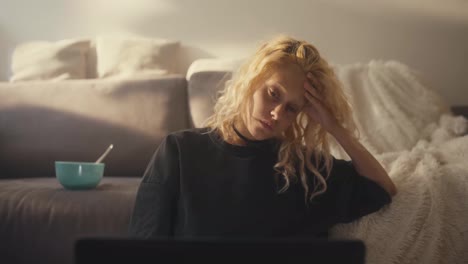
155	203
365	164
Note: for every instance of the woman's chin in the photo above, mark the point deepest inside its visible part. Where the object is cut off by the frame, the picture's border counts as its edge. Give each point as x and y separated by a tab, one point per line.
261	134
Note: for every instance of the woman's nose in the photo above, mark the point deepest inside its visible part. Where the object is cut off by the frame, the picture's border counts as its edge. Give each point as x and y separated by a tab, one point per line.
276	113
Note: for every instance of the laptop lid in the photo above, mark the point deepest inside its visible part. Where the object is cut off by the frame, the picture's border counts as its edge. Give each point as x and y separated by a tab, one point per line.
161	251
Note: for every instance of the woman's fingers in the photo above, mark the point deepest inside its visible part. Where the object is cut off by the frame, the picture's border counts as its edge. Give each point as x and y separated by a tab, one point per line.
310	90
309	86
310	97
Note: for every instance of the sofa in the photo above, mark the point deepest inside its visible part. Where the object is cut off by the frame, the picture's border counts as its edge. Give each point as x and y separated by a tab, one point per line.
75	120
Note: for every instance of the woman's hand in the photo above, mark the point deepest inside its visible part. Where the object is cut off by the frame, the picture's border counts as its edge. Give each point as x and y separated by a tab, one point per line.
364	162
315	109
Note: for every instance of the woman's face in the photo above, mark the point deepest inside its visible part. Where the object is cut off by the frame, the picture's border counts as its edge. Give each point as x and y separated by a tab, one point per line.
276	103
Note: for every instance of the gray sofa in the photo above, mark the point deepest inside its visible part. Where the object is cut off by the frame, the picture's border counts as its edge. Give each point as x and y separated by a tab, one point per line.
75	120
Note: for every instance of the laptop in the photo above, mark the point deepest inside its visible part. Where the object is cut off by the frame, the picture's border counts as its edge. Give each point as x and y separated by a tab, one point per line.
100	250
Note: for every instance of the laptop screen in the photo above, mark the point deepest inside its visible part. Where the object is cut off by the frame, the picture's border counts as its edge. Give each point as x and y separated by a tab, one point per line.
138	251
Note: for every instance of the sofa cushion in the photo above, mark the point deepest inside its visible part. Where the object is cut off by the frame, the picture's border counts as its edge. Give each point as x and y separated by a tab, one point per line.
119	57
76	120
40	220
42	60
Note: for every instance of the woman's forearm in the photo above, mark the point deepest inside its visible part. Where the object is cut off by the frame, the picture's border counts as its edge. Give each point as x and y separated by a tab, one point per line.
365	164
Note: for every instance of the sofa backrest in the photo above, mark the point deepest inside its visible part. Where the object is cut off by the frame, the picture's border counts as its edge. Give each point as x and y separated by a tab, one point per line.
76	120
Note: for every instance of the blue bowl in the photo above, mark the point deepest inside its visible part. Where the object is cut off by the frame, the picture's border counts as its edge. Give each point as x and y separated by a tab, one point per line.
79	175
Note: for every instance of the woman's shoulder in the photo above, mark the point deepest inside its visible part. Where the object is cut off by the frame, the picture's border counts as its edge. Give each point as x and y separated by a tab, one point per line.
189	135
190	132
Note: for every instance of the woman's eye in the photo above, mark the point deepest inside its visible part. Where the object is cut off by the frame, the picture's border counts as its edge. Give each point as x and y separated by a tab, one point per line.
274	94
291	109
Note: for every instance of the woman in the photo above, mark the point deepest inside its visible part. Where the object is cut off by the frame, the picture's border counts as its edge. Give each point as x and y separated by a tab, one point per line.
262	165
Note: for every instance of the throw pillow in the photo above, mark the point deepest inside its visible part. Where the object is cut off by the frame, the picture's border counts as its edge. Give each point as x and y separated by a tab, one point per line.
129	56
54	61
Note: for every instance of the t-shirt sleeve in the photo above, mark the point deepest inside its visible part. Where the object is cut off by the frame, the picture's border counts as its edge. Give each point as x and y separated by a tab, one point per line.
156	198
349	195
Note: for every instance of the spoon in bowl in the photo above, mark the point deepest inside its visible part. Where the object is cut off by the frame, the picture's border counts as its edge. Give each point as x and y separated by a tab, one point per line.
105	154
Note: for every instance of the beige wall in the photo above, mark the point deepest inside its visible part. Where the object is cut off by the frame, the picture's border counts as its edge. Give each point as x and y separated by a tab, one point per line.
432	39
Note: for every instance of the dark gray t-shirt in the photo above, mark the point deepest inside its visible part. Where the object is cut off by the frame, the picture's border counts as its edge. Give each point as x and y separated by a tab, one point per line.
197	185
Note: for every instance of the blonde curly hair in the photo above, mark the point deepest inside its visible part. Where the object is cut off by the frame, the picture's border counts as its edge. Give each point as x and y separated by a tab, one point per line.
304	139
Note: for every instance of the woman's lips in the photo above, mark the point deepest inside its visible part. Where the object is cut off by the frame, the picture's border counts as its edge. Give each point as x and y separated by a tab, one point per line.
266	125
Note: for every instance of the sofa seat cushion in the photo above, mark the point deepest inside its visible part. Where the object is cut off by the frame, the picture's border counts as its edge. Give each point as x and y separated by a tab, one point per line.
39	219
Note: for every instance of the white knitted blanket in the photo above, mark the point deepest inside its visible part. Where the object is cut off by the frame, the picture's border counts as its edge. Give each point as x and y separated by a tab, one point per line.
392	106
427	222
